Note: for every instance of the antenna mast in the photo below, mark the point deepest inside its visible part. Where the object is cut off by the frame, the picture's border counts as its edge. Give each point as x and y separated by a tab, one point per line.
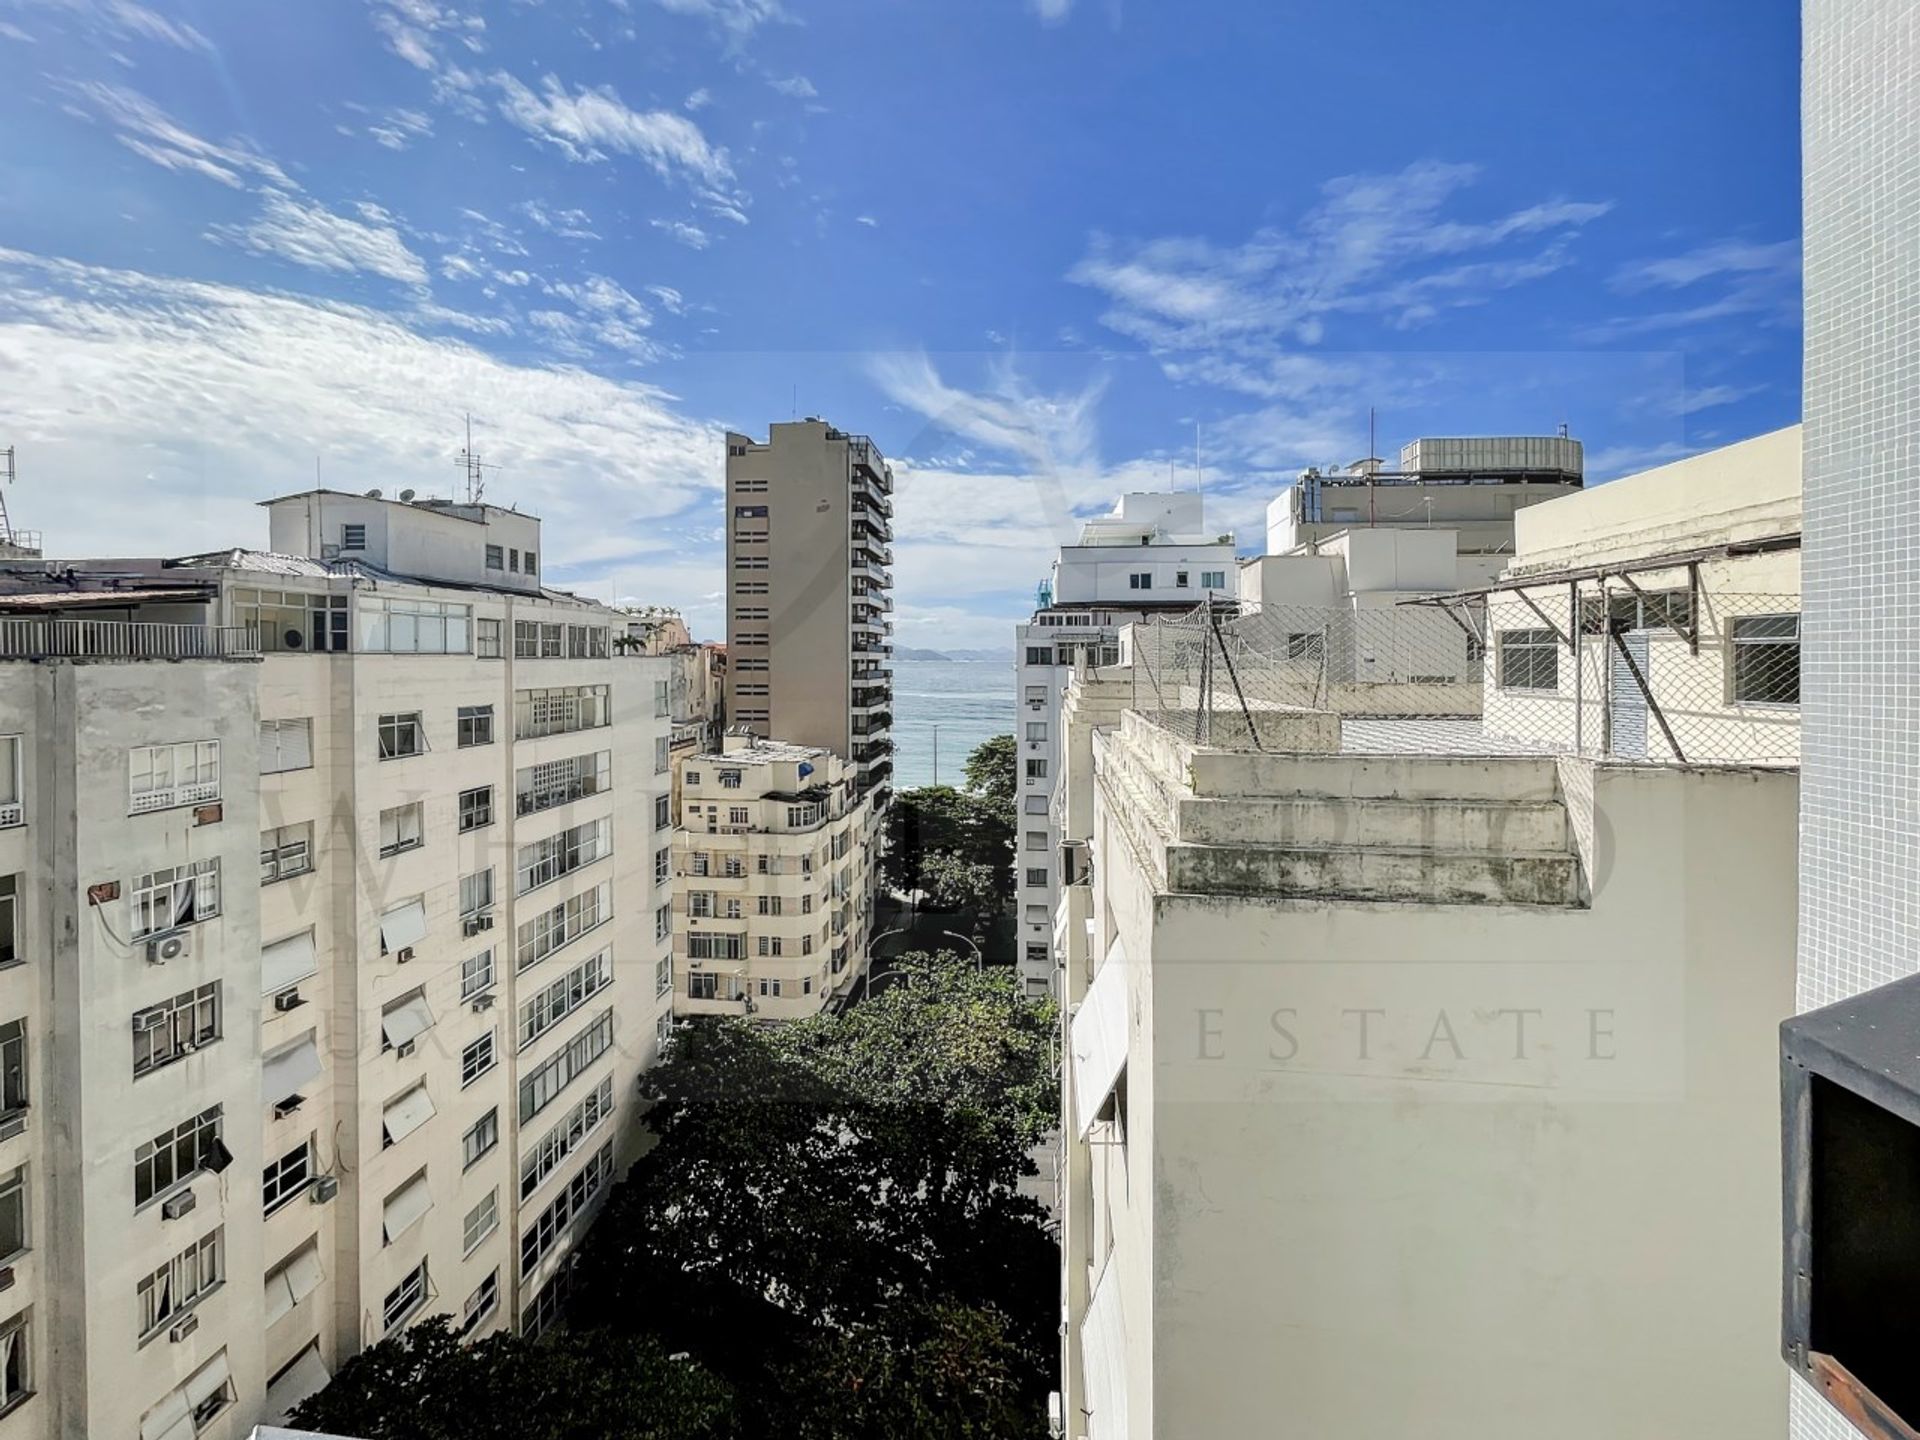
469	460
10	538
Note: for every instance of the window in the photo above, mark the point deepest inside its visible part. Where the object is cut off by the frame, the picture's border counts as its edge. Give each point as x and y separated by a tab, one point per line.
529	558
545	861
177	1155
10	920
733	866
402	828
1213	579
401	736
662	812
730	908
353	537
700	862
481	1222
1037	878
480	1305
177	1286
162	776
292	620
405	1020
560	711
701	904
1039	655
539	640
703	985
716	947
566	1207
287	1177
1036	839
13	1214
476	893
513	560
770	904
13	1068
479	1140
560	782
12	811
584	642
168	1032
285	745
1140	580
663	922
496	558
662	753
406	1298
1766	659
1035	805
539	1089
474	725
414	627
564	996
486	639
476	975
546	932
1529	660
476	808
1036	730
1180	579
663	975
1635	610
1038	953
1305	645
16	1378
181	895
769	944
1036	770
476	1059
285	852
662	864
565	1137
738	815
1036	914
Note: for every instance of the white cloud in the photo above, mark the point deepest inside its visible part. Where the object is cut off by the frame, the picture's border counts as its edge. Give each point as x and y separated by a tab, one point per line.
1052	12
691	236
415	30
737	18
585	124
866	220
199	399
1729	279
567	224
120	19
400	128
459	267
671	300
698	100
311	235
798	87
147	130
1371	245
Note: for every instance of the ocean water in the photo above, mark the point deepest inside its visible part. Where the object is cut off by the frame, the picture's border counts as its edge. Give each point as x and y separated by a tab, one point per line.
968	702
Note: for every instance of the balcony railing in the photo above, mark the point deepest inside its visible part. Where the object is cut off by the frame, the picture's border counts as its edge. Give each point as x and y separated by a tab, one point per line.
123	640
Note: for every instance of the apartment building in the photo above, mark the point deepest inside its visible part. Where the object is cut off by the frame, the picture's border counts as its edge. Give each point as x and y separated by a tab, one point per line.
1148	555
809	576
773	869
419	1027
1426	1040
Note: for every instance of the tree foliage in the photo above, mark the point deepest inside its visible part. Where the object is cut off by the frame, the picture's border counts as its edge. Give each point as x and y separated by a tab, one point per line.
934	830
953	882
993	771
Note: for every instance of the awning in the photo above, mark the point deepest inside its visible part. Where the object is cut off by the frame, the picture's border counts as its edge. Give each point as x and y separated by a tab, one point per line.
285	1070
307	1376
1641	565
406	1021
407	1114
1103	1360
206	1382
171	1419
285	963
287	1286
1100	1037
403	925
405	1207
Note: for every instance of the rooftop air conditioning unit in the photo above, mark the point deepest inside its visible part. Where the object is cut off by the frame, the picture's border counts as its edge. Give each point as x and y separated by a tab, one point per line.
324	1189
174	1206
169	945
287	1000
183	1329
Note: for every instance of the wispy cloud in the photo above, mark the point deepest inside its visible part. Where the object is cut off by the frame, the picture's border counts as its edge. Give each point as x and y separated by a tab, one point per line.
125	20
1051	434
1052	12
738	19
691	236
311	235
1373	245
586	124
568	224
797	87
698	100
1757	283
415	30
866	220
147	130
400	128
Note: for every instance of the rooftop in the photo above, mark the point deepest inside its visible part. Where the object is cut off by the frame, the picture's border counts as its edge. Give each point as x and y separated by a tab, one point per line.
763	752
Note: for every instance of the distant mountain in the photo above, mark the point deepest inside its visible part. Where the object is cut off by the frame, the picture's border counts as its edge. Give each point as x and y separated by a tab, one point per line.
970	657
906	652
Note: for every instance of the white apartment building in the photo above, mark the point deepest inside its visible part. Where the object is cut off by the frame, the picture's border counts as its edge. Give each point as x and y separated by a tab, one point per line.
773	867
1400	1052
420	1026
1149	554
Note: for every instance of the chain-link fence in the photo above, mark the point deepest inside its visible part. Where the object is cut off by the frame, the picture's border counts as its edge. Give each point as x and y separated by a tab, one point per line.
1668	676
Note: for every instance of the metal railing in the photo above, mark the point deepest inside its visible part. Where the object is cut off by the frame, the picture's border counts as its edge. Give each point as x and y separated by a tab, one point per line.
1677	676
123	640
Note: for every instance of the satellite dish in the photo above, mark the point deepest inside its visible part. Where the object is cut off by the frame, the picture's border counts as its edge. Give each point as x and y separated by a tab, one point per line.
373	494
406	495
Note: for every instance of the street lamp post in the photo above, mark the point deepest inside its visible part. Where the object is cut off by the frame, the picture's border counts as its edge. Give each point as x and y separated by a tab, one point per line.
979	961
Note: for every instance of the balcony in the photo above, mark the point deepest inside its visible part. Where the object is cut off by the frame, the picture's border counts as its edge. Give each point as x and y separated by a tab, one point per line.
123	640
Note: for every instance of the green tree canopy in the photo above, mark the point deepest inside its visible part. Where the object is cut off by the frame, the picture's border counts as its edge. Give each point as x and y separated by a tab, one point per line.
993	771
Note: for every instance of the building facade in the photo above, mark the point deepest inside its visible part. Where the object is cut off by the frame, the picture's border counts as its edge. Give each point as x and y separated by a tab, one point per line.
419	1026
773	907
1149	554
809	604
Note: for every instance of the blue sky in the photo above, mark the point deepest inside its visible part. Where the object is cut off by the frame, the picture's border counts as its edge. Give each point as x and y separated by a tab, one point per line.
1034	247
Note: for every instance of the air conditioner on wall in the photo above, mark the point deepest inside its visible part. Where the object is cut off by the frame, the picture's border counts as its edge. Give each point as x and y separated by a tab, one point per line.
169	945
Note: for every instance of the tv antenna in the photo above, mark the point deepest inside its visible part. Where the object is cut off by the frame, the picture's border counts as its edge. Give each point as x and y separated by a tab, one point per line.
469	460
8	535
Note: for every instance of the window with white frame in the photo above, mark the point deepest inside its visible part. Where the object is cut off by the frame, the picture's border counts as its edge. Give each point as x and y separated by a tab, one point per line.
553	1003
285	745
567	1206
565	1137
414	627
1035	805
560	711
539	640
402	735
1036	730
566	922
11	946
1140	580
1213	579
480	1139
476	893
663	864
473	725
476	808
177	1154
482	1220
703	985
286	1177
13	810
1037	877
286	851
662	753
662	976
1529	660
1036	770
162	776
495	558
545	861
476	974
1766	659
480	1305
560	782
663	1031
771	904
544	1085
477	1059
16	1375
13	1214
663	922
486	639
701	904
403	827
662	812
175	1028
13	1069
180	1284
584	642
406	1298
178	895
